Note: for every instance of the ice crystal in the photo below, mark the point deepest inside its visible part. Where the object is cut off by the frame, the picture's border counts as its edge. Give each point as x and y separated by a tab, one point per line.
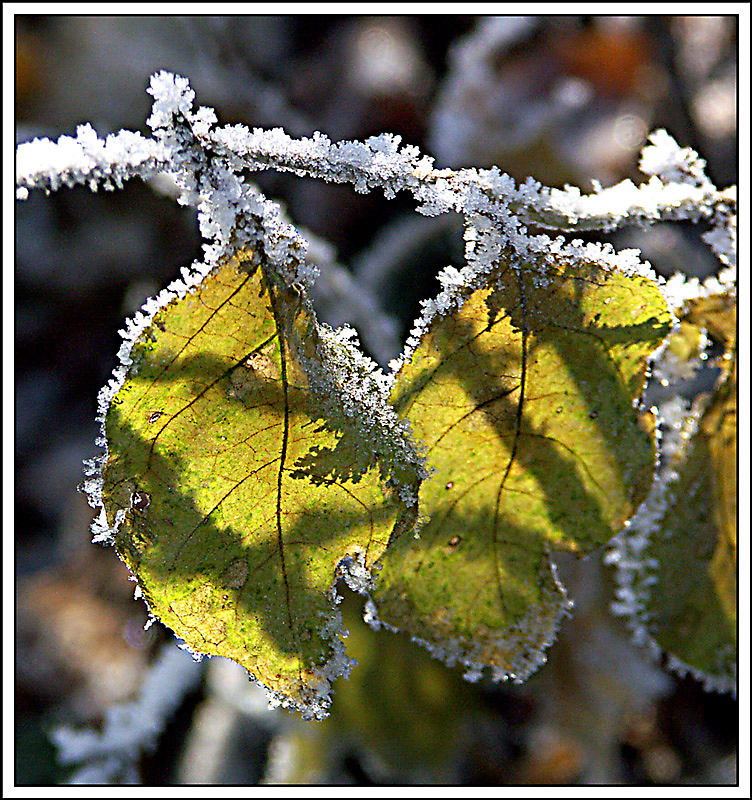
664	158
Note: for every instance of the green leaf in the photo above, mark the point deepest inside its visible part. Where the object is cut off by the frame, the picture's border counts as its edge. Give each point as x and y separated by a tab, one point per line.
525	399
401	710
691	604
211	482
691	607
715	313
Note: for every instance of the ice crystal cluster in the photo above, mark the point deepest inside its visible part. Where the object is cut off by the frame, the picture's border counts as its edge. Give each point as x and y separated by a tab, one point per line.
350	394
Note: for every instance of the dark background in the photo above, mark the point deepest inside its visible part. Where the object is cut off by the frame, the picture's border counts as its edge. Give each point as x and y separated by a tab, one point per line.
570	99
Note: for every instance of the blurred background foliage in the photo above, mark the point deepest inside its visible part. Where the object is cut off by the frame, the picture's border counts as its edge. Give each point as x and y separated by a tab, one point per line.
564	99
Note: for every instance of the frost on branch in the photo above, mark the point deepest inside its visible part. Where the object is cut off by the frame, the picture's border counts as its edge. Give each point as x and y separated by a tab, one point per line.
254	456
85	159
111	755
664	158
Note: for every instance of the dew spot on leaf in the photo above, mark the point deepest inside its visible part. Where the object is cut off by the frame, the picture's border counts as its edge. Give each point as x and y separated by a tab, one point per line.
140	501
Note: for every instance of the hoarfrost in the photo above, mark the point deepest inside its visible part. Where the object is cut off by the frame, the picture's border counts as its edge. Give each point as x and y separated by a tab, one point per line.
129	729
527	639
355	573
663	158
206	164
85	159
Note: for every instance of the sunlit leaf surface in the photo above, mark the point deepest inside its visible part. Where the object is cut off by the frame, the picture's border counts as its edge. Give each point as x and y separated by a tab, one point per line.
524	398
234	545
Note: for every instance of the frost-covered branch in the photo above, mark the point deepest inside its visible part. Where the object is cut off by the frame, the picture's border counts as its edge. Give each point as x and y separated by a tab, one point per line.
86	159
129	729
626	204
187	141
208	164
677	189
